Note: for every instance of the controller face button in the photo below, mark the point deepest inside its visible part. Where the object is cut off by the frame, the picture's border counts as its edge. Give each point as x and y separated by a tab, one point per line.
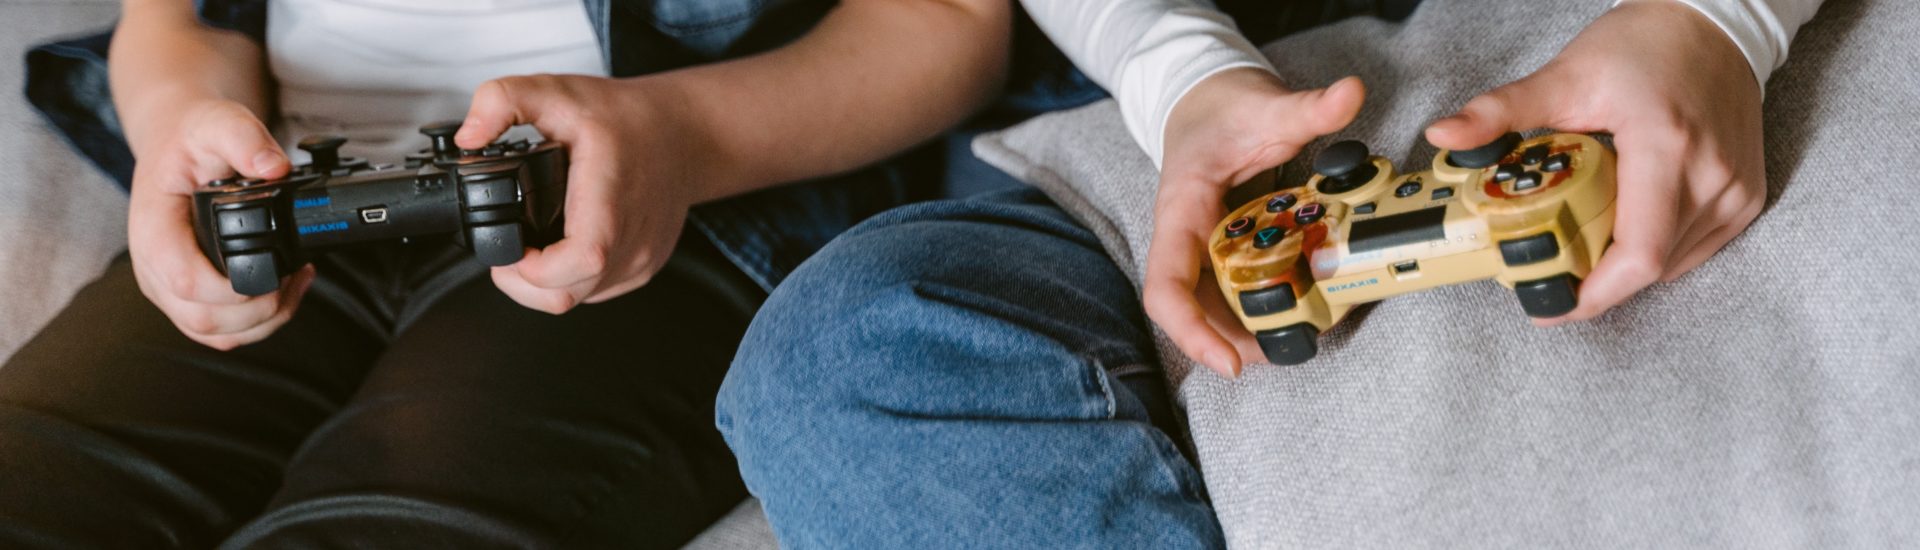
1407	189
1527	250
1267	301
1281	201
1239	227
1442	193
1534	155
1309	214
1367	208
243	221
1557	163
1527	181
1547	298
494	190
1507	172
1268	237
1291	345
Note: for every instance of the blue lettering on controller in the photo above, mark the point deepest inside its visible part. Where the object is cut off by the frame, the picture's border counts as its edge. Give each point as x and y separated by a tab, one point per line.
322	228
1353	285
310	203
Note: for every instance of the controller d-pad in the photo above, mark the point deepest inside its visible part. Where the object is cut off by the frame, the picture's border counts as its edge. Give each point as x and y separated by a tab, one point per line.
1309	213
1281	201
243	221
1534	155
1527	181
1239	227
1268	237
1556	163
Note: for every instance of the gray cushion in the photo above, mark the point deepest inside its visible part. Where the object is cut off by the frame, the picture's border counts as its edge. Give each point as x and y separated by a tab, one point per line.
1766	399
60	219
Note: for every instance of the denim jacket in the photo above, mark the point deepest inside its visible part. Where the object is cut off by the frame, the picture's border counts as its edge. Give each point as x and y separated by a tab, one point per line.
767	233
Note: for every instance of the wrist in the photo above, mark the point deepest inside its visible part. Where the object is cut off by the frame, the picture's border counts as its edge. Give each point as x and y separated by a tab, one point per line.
688	127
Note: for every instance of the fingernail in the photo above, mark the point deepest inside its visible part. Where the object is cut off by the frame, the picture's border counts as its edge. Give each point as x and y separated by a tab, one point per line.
1221	363
266	160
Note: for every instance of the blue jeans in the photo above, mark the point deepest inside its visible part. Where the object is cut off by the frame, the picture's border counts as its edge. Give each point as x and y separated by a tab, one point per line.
971	370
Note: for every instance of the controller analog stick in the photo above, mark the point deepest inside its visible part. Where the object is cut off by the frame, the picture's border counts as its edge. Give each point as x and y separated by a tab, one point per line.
325	150
1346	166
441	133
1485	155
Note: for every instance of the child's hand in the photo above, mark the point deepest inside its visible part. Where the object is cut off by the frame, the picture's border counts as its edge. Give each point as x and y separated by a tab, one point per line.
1229	128
628	188
205	140
1681	102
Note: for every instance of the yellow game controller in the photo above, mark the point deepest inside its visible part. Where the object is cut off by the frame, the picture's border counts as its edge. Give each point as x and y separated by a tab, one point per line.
1532	214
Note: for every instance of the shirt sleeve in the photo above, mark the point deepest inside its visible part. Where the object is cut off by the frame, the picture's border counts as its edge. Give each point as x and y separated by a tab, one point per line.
1147	53
1762	29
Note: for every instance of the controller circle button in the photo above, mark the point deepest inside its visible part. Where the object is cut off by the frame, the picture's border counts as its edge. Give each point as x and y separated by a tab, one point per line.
1239	227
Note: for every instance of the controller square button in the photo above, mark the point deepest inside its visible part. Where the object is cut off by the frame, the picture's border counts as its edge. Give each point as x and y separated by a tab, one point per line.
1308	214
1535	155
491	192
1367	208
1527	181
1267	301
1556	163
243	221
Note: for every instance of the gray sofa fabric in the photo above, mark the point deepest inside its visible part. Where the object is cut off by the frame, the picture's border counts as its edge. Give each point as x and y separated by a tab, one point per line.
1770	398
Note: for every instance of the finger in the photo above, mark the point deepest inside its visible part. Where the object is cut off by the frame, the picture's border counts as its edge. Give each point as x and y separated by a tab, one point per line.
591	224
163	247
1522	105
567	263
500	104
206	323
1645	217
289	303
1185	214
232	138
1687	259
1327	110
553	301
1220	316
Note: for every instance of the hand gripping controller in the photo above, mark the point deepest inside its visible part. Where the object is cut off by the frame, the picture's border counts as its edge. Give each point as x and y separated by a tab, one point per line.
1532	214
495	201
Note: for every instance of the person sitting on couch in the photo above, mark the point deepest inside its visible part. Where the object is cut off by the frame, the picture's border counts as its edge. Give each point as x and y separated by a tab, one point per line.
399	395
979	368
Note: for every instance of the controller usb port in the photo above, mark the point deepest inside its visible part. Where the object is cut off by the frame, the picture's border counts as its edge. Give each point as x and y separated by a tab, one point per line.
1404	270
373	214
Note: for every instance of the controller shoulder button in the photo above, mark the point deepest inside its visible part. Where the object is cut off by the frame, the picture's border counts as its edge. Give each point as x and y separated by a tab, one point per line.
1290	345
1267	301
1547	298
1528	250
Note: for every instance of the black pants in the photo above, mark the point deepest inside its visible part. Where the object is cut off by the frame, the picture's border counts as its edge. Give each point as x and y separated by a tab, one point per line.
409	404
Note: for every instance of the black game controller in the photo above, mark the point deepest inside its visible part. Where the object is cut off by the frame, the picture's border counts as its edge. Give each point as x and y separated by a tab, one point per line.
496	202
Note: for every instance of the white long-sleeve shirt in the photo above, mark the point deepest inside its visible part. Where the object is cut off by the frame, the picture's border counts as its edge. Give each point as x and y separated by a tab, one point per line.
1150	53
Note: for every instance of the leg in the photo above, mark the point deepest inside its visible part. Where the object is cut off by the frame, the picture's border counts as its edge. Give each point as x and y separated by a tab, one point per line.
491	425
118	432
966	370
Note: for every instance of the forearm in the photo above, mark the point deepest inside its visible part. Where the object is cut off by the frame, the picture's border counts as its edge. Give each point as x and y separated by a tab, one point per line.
874	78
1148	53
163	57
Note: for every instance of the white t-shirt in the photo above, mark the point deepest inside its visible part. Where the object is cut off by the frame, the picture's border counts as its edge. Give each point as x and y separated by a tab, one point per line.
375	70
1150	53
